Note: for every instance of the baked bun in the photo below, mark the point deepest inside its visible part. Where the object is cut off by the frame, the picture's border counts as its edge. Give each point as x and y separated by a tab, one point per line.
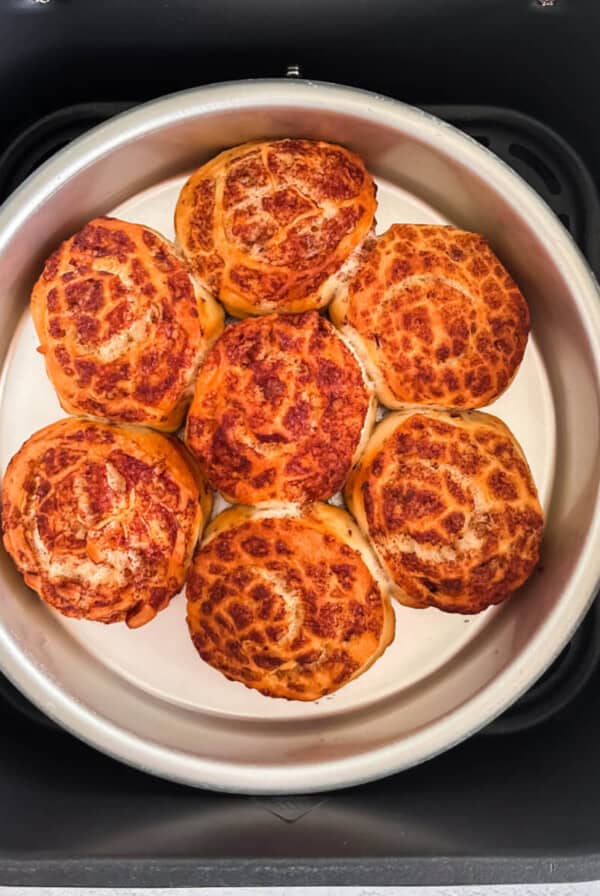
267	226
281	410
292	605
436	318
121	327
102	520
450	506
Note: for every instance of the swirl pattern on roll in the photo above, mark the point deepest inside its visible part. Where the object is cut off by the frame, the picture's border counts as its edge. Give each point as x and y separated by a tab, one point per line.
450	506
435	316
291	606
266	226
281	410
120	325
102	520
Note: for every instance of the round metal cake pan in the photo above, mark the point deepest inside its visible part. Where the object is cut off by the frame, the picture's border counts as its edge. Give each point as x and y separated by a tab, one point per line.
417	156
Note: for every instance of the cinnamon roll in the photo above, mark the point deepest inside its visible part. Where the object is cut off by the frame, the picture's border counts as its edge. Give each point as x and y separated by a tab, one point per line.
435	316
281	410
121	326
450	506
102	520
292	605
267	226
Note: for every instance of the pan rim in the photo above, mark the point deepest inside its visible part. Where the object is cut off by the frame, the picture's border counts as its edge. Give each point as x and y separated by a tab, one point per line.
552	634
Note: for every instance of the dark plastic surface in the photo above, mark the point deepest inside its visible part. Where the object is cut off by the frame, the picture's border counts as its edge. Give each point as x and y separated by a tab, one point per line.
541	60
519	808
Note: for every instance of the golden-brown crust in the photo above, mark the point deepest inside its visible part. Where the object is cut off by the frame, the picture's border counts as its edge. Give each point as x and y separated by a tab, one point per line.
436	318
281	410
102	520
121	326
292	605
266	226
450	506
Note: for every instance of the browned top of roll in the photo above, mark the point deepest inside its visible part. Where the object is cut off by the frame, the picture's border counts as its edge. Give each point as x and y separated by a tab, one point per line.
280	411
287	605
102	520
120	325
451	507
437	317
265	225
